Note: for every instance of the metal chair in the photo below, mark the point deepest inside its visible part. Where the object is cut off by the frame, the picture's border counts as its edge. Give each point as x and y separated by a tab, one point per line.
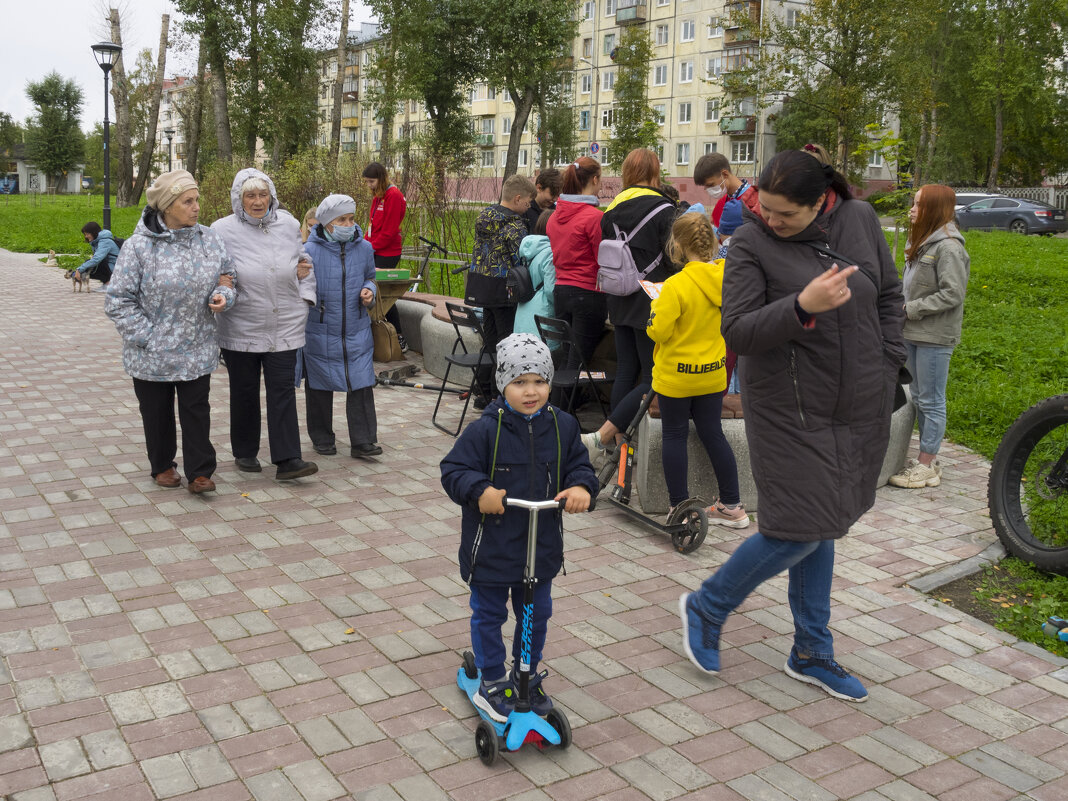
463	317
551	330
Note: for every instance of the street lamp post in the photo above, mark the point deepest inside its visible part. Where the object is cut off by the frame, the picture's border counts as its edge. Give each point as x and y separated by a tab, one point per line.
595	78
107	53
169	133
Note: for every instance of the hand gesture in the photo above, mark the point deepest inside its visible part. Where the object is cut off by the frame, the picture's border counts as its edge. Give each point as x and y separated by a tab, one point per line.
367	296
827	291
217	303
489	502
578	499
304	268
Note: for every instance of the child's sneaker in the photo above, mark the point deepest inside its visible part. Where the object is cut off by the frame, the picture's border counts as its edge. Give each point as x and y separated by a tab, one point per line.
540	702
700	635
496	699
598	452
916	475
730	516
828	674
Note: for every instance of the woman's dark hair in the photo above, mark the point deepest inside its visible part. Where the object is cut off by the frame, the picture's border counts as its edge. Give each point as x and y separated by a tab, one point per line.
542	224
579	173
91	228
378	172
801	178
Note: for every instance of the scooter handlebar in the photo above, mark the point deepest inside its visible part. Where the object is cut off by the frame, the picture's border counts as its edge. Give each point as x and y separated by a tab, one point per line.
536	506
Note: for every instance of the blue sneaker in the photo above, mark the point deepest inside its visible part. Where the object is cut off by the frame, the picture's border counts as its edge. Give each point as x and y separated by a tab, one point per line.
828	674
540	702
700	635
496	699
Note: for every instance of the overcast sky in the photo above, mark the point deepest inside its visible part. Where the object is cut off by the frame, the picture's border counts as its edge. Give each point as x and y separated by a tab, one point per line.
57	35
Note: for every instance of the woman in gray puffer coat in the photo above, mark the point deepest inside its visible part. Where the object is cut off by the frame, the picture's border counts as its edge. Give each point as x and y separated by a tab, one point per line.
265	330
820	347
171	278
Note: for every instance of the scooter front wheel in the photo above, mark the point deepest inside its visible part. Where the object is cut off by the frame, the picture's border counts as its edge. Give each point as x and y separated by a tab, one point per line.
558	720
486	743
695	527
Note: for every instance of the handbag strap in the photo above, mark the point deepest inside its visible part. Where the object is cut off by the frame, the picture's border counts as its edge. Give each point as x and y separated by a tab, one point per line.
826	251
634	231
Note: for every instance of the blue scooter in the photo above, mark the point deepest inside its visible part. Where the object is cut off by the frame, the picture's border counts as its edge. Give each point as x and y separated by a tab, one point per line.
524	725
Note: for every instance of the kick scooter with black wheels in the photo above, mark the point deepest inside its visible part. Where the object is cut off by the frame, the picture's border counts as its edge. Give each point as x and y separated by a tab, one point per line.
687	524
524	725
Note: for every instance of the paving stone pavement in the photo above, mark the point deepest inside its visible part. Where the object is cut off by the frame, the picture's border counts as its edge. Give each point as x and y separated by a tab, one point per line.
300	640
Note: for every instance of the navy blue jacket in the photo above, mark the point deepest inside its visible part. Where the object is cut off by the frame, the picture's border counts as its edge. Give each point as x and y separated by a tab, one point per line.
527	457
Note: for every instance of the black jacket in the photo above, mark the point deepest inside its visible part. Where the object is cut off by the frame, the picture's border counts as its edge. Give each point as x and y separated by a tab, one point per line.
633	310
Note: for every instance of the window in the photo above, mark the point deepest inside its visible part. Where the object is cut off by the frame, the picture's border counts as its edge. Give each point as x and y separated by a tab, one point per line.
659	150
400	131
713	67
660	72
738	58
686	30
608	80
609	43
491	93
792	15
364	136
663	3
746	106
713	27
685	72
584	120
504	157
472	94
712	110
506	96
487	158
661	35
602	157
608	118
587	47
875	159
682	153
609	8
685	112
710	147
506	126
586	83
588	9
522	158
660	110
742	151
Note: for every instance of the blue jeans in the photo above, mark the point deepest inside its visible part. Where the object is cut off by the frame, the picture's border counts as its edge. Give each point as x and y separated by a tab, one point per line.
759	558
489	612
929	365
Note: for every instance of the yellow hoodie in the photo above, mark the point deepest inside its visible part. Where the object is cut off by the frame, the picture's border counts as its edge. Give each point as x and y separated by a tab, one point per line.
690	356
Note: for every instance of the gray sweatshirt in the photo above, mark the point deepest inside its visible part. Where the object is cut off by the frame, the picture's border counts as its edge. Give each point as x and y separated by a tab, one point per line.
935	283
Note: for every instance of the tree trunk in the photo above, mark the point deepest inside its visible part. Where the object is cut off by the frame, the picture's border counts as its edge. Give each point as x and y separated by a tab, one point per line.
120	94
841	153
217	59
196	116
932	140
523	105
153	115
999	143
252	131
339	83
919	168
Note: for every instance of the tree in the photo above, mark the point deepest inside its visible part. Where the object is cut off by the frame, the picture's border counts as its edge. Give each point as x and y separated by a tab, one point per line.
155	90
218	25
11	133
339	82
123	141
54	140
556	125
191	110
635	124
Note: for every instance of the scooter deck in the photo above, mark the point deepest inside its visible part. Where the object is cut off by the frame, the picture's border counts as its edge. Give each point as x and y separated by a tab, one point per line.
520	726
470	686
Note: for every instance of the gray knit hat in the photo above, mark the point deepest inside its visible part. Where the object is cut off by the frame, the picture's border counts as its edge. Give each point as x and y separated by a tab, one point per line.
333	207
519	354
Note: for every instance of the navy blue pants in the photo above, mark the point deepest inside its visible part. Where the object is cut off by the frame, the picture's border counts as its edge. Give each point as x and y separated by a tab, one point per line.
489	613
704	410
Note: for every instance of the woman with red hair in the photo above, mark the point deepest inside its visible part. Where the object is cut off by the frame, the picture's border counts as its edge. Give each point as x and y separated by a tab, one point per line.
935	282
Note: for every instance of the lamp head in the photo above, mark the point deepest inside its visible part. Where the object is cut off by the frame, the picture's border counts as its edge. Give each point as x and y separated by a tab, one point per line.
107	53
169	133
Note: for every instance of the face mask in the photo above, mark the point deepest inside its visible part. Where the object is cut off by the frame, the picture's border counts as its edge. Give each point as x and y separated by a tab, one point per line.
715	192
343	233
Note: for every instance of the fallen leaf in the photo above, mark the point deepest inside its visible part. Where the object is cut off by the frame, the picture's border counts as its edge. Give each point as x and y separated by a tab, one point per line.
350	631
244	494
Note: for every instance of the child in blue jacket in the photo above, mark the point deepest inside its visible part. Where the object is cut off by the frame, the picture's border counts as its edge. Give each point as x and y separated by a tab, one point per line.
523	447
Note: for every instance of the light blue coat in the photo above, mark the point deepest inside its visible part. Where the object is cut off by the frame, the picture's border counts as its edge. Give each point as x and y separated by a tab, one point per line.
158	299
338	351
534	250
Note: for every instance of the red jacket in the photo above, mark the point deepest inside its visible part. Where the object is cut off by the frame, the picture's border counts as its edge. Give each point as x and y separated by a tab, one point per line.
750	197
387	212
574	233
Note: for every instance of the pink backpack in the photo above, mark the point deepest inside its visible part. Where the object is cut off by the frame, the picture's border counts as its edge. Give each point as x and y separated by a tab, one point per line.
617	274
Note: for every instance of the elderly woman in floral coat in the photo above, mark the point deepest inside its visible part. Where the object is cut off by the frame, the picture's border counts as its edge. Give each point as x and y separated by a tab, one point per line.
171	279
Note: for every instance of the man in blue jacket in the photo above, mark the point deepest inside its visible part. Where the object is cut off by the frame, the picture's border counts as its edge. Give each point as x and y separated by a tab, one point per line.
105	253
522	447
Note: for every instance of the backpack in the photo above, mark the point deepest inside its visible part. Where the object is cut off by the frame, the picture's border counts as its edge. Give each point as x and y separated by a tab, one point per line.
617	274
518	283
119	241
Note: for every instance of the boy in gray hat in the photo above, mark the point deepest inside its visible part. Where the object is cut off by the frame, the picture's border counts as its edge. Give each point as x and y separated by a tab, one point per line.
525	448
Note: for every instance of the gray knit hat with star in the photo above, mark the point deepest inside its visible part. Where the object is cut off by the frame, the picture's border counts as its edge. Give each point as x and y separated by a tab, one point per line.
519	354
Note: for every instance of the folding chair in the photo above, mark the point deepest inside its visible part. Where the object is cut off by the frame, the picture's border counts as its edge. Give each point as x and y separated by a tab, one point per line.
552	330
463	317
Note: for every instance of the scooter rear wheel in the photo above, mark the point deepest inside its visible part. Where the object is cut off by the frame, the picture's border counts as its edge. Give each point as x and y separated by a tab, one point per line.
558	720
486	743
469	665
690	538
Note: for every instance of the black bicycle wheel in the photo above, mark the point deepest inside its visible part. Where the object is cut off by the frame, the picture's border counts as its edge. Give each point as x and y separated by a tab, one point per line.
1028	490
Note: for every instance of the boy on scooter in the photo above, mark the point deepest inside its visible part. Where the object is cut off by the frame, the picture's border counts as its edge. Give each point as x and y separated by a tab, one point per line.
523	447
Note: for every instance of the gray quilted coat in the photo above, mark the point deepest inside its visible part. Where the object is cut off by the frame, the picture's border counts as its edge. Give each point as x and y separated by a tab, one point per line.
158	299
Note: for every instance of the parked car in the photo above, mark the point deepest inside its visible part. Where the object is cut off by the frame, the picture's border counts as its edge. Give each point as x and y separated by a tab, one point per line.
967	198
1012	214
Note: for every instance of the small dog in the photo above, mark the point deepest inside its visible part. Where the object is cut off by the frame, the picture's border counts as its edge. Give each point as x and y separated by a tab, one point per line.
78	281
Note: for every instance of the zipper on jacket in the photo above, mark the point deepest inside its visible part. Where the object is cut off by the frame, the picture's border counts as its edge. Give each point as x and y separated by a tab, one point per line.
322	310
344	315
797	386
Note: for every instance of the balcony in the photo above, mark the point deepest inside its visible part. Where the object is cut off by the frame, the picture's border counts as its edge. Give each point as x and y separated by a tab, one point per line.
484	139
350	122
741	23
350	147
737	125
631	12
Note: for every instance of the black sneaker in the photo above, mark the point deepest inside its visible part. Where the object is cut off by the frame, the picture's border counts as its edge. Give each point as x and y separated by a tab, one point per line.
248	465
402	342
325	450
496	699
481	402
295	468
367	449
539	701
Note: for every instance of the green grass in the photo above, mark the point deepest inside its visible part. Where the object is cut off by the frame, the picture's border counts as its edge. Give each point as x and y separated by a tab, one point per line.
37	224
1020	599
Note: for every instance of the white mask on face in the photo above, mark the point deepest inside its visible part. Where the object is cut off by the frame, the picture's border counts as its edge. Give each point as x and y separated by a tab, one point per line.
715	192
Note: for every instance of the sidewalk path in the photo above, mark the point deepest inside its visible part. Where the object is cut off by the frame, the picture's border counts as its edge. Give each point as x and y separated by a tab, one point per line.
154	644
